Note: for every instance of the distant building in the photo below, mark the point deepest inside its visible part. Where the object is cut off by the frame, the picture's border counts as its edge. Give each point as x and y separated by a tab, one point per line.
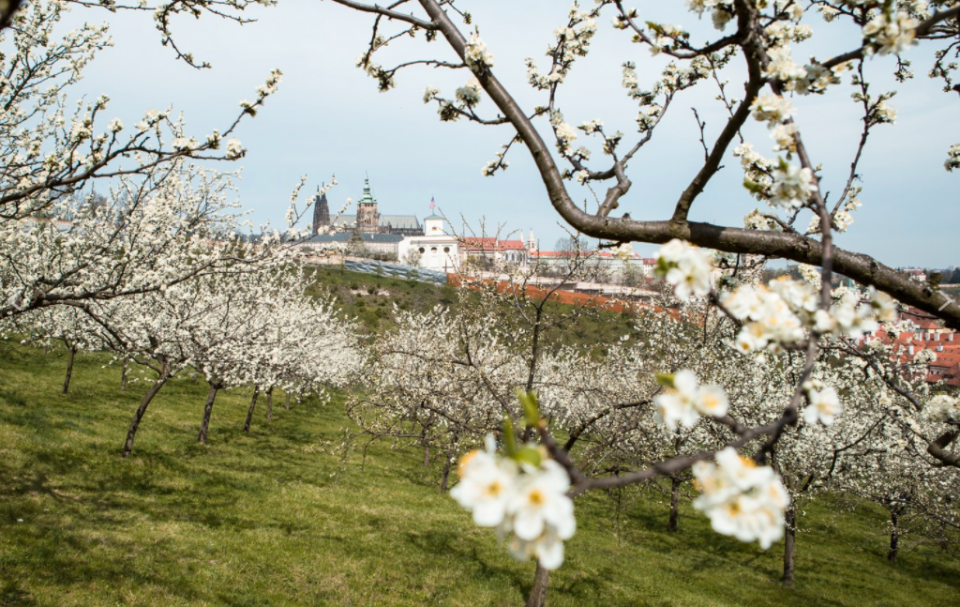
434	250
916	274
367	220
612	264
493	249
321	213
378	244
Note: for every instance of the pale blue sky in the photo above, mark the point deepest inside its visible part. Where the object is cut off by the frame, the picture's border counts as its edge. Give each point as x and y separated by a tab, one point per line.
329	118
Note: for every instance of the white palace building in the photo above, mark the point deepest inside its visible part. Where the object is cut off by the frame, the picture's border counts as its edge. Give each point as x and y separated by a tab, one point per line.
438	250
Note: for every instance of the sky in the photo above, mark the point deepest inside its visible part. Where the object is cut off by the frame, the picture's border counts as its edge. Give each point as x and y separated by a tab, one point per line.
328	118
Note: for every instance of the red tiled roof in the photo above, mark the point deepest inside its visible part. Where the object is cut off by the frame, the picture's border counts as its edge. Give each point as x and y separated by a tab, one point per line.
474	243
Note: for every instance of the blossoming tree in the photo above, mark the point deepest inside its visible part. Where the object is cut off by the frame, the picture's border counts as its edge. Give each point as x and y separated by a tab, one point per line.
760	37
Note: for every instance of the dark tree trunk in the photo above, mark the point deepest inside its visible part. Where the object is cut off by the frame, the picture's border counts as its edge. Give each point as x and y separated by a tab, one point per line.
207	410
674	503
138	415
447	464
123	375
426	447
789	544
538	594
894	537
70	357
253	404
270	404
286	402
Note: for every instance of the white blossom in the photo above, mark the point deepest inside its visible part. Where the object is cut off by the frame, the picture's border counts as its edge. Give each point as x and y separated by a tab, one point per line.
824	406
476	54
685	400
953	158
792	186
741	499
941	409
890	35
686	267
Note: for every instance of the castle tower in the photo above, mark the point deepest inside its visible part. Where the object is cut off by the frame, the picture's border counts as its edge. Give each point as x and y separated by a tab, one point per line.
368	219
321	213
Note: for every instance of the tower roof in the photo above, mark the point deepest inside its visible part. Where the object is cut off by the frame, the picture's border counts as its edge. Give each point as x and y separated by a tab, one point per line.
367	197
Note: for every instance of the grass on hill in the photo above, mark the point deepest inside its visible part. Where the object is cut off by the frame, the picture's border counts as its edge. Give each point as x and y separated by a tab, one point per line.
371	298
286	516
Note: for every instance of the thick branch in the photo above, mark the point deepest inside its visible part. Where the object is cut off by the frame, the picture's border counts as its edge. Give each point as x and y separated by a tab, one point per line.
386	12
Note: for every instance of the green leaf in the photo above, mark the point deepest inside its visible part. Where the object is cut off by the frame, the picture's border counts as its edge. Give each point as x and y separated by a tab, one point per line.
530	455
531	408
752	185
509	437
665	379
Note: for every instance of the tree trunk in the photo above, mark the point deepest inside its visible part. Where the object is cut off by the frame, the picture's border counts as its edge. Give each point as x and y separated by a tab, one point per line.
674	503
894	537
253	404
70	357
538	594
286	403
207	410
447	464
789	544
270	404
138	415
123	375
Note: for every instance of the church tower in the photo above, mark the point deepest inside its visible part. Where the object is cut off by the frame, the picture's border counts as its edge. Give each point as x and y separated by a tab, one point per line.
321	213
368	219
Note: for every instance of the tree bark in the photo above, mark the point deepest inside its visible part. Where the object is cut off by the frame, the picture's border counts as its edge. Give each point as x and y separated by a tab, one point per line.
270	404
70	357
138	415
207	410
286	402
123	374
894	537
538	594
253	404
789	544
674	503
447	464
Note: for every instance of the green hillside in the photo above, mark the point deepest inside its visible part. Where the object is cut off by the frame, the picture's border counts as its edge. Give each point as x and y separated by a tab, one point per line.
292	514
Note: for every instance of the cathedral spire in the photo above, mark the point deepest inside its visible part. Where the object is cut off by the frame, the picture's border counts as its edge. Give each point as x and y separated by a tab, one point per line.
321	212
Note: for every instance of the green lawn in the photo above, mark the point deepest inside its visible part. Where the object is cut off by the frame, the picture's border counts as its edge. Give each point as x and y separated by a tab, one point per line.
280	517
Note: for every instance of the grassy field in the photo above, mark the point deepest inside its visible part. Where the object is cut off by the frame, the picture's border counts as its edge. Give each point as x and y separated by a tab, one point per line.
286	516
370	299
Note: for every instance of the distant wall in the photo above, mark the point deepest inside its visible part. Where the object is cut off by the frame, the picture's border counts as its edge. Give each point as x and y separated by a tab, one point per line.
396	270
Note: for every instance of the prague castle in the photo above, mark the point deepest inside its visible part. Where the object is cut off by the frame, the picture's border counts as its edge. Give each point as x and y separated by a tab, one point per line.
367	220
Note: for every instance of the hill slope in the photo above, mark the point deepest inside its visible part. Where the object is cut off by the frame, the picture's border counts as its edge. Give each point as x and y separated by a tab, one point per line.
286	516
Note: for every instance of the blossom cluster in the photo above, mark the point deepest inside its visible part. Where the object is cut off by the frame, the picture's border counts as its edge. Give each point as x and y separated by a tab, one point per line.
792	186
890	33
824	404
476	54
565	132
942	409
686	267
528	504
741	498
781	312
953	158
768	320
685	400
722	10
468	95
